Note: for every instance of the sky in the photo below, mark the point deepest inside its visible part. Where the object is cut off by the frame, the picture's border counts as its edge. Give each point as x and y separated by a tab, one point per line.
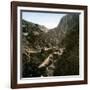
49	20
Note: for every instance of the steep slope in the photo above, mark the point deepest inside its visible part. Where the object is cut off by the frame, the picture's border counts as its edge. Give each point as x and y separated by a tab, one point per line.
57	34
32	33
68	63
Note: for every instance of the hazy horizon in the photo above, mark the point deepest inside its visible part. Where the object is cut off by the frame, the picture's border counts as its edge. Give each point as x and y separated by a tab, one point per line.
49	20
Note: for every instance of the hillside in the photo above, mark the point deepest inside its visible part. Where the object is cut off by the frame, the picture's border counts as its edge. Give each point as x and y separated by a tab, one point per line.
68	63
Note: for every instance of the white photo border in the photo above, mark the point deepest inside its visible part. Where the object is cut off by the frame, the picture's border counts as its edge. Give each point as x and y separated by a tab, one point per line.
81	49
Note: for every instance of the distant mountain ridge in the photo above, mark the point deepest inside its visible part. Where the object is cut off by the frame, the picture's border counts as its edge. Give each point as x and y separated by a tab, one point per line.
50	37
28	24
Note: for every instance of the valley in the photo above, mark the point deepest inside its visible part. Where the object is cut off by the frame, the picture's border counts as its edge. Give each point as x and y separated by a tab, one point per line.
50	52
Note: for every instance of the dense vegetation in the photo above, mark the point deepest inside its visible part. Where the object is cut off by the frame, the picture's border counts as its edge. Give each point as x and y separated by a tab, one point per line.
36	38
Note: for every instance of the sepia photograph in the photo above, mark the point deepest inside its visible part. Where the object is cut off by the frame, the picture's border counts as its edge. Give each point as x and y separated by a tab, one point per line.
49	44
